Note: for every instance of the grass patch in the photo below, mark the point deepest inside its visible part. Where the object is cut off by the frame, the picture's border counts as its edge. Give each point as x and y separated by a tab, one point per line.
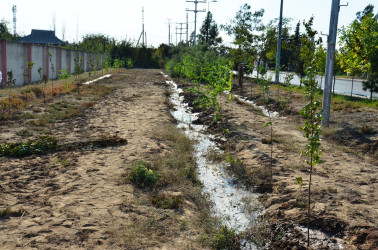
366	129
5	212
269	141
24	133
177	187
225	238
167	201
215	156
332	190
178	166
20	149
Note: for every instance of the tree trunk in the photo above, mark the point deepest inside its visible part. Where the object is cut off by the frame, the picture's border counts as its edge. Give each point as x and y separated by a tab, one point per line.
241	74
351	91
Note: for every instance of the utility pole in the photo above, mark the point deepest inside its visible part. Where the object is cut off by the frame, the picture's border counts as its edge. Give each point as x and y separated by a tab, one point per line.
14	9
143	25
143	33
77	27
335	8
169	32
187	27
278	58
182	33
195	16
176	35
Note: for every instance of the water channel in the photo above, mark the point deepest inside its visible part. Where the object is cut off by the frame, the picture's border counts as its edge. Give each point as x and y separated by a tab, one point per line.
230	203
229	200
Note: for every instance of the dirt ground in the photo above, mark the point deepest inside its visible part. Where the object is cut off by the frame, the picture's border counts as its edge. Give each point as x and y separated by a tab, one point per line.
79	198
344	184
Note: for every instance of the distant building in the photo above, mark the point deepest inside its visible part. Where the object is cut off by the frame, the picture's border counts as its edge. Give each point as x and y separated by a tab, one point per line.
42	37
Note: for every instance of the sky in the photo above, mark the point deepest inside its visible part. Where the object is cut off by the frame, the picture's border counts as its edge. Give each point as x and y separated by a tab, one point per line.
123	19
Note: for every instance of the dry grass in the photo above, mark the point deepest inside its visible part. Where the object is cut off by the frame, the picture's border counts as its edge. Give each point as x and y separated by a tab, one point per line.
178	189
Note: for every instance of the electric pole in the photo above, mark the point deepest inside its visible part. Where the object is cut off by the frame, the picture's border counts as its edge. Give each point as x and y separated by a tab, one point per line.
169	32
335	8
176	35
143	33
14	10
278	58
143	25
187	27
77	27
195	16
182	33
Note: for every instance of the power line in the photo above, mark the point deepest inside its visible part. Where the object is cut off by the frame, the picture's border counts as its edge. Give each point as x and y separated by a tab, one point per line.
195	16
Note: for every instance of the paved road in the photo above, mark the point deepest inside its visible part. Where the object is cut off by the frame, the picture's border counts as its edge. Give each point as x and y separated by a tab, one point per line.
342	86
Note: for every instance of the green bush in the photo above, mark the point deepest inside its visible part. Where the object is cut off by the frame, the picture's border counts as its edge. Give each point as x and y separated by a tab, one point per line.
226	238
19	149
142	176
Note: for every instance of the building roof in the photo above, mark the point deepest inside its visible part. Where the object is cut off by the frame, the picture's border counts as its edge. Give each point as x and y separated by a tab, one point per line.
41	37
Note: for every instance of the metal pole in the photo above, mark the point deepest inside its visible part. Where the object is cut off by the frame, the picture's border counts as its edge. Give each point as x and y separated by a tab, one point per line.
195	22
187	26
195	16
142	26
169	31
278	57
330	60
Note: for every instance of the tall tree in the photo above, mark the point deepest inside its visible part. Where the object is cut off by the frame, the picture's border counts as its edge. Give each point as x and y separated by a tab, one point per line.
242	28
296	44
321	56
268	39
358	45
5	32
97	43
209	31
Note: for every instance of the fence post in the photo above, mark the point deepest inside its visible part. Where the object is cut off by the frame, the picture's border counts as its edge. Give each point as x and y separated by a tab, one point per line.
4	62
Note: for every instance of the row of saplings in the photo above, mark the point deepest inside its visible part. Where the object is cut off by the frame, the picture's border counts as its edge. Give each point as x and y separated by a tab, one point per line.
217	80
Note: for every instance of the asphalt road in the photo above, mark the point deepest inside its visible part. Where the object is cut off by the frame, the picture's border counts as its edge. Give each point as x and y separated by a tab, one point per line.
342	86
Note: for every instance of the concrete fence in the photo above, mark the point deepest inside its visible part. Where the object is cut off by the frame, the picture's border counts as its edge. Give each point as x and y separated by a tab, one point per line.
15	56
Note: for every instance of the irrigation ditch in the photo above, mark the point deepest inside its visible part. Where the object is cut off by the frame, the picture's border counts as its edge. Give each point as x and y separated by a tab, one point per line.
234	204
76	192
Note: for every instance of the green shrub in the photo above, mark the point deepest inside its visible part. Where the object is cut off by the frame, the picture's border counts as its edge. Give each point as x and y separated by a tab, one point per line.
142	176
226	238
19	149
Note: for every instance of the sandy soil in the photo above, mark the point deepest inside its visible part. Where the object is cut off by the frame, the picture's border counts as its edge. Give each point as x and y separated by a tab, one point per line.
344	184
79	199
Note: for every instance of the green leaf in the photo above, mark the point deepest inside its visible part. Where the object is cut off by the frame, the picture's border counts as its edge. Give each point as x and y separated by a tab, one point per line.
267	124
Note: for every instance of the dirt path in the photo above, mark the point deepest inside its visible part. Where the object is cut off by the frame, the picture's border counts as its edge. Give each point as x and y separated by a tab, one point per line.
79	199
